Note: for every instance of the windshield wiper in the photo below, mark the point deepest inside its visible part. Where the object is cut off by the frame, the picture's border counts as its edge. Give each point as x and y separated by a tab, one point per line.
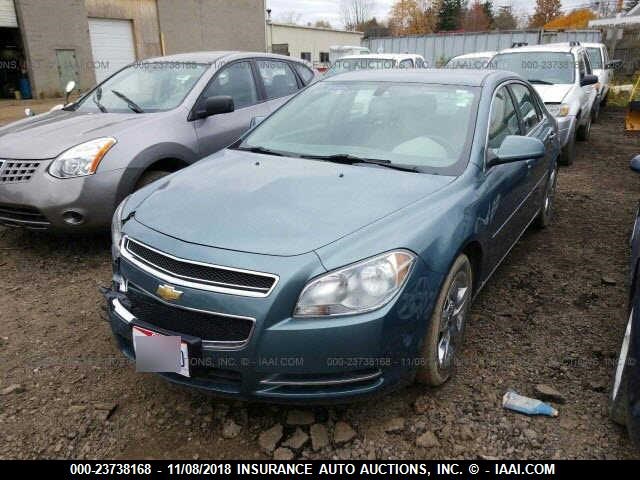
96	99
130	103
541	82
264	150
349	159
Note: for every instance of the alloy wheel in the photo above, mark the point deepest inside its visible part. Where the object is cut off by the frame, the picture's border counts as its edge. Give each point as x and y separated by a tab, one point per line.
452	319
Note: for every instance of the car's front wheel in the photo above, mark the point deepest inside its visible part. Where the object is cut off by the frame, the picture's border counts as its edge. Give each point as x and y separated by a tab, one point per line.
619	401
150	176
445	331
584	131
568	153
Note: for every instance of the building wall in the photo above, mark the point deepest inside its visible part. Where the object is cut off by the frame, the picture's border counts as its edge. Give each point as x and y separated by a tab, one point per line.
308	39
51	25
192	25
143	14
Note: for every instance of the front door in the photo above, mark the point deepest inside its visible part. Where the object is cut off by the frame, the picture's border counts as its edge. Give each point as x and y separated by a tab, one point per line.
219	131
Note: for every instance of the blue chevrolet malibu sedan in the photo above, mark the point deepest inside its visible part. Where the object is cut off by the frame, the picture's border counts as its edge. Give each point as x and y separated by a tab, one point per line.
624	405
335	249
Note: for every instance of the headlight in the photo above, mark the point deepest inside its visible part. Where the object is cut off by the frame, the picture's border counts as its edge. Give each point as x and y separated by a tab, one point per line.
558	109
116	228
82	159
359	288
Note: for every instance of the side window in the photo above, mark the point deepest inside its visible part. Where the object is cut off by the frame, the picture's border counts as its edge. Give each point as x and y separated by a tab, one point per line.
526	104
278	78
408	63
236	81
587	64
305	73
504	121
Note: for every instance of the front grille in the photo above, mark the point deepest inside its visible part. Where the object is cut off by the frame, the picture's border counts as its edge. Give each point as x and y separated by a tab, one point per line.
209	327
15	171
214	276
27	217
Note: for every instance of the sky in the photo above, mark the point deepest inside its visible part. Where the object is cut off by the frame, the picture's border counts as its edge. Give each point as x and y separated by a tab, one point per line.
313	10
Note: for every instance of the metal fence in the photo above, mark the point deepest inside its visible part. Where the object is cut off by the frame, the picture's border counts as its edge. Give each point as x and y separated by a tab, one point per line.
437	49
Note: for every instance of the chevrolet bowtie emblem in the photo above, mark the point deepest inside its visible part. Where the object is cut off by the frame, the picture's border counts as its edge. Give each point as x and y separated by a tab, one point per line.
169	293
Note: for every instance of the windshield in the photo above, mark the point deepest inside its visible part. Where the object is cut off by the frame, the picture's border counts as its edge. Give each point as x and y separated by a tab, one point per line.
143	87
473	63
538	67
424	127
364	63
595	57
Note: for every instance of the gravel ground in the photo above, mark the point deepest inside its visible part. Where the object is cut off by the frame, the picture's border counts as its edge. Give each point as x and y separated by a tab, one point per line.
553	313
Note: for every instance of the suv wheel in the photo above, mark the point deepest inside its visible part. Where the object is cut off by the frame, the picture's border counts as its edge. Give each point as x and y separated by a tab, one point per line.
150	177
584	131
618	403
595	113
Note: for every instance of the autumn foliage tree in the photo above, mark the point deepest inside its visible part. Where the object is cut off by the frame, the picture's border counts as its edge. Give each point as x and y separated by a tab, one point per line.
475	18
576	19
505	19
546	10
409	17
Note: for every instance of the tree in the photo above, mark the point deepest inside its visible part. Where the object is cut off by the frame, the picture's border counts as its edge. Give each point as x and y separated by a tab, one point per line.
408	17
546	10
449	15
373	28
505	20
487	6
356	12
576	19
475	18
322	24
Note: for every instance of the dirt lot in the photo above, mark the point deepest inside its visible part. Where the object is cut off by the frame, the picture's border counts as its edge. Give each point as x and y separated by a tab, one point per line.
553	313
11	110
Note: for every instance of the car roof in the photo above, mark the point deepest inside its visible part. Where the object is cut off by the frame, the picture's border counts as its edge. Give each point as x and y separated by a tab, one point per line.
462	77
383	56
475	55
214	56
549	47
592	44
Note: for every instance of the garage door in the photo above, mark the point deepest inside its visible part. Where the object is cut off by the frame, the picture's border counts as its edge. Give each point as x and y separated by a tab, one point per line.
8	14
111	45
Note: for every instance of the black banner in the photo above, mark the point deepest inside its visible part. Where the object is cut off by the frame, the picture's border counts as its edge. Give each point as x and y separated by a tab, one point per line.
154	469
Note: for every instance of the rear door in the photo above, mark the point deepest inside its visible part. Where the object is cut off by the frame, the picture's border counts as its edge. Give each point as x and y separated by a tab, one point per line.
534	124
277	81
236	80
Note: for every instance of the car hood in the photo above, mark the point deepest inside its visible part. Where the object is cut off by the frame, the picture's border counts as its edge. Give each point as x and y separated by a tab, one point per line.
276	205
49	134
553	93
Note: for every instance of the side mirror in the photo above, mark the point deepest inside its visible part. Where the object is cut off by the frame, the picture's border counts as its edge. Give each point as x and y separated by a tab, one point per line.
255	121
214	106
515	148
613	64
588	80
68	89
635	164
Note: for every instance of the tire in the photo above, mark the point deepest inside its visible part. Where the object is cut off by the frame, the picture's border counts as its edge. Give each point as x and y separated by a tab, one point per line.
150	177
619	400
584	131
595	113
545	216
604	101
568	153
445	330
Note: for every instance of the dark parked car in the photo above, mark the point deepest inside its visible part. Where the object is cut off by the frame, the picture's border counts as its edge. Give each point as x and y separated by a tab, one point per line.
625	395
334	251
69	169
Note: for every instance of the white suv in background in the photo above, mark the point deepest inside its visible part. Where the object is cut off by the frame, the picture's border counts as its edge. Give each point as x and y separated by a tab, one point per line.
561	74
603	68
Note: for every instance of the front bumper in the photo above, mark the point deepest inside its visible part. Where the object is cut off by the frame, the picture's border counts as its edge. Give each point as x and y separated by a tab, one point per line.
566	128
285	359
43	202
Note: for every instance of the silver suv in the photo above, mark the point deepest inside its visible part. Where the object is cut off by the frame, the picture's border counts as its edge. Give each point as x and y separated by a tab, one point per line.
69	169
561	74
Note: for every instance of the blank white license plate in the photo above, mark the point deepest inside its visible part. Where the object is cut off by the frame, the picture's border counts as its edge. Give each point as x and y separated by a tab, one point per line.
160	353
